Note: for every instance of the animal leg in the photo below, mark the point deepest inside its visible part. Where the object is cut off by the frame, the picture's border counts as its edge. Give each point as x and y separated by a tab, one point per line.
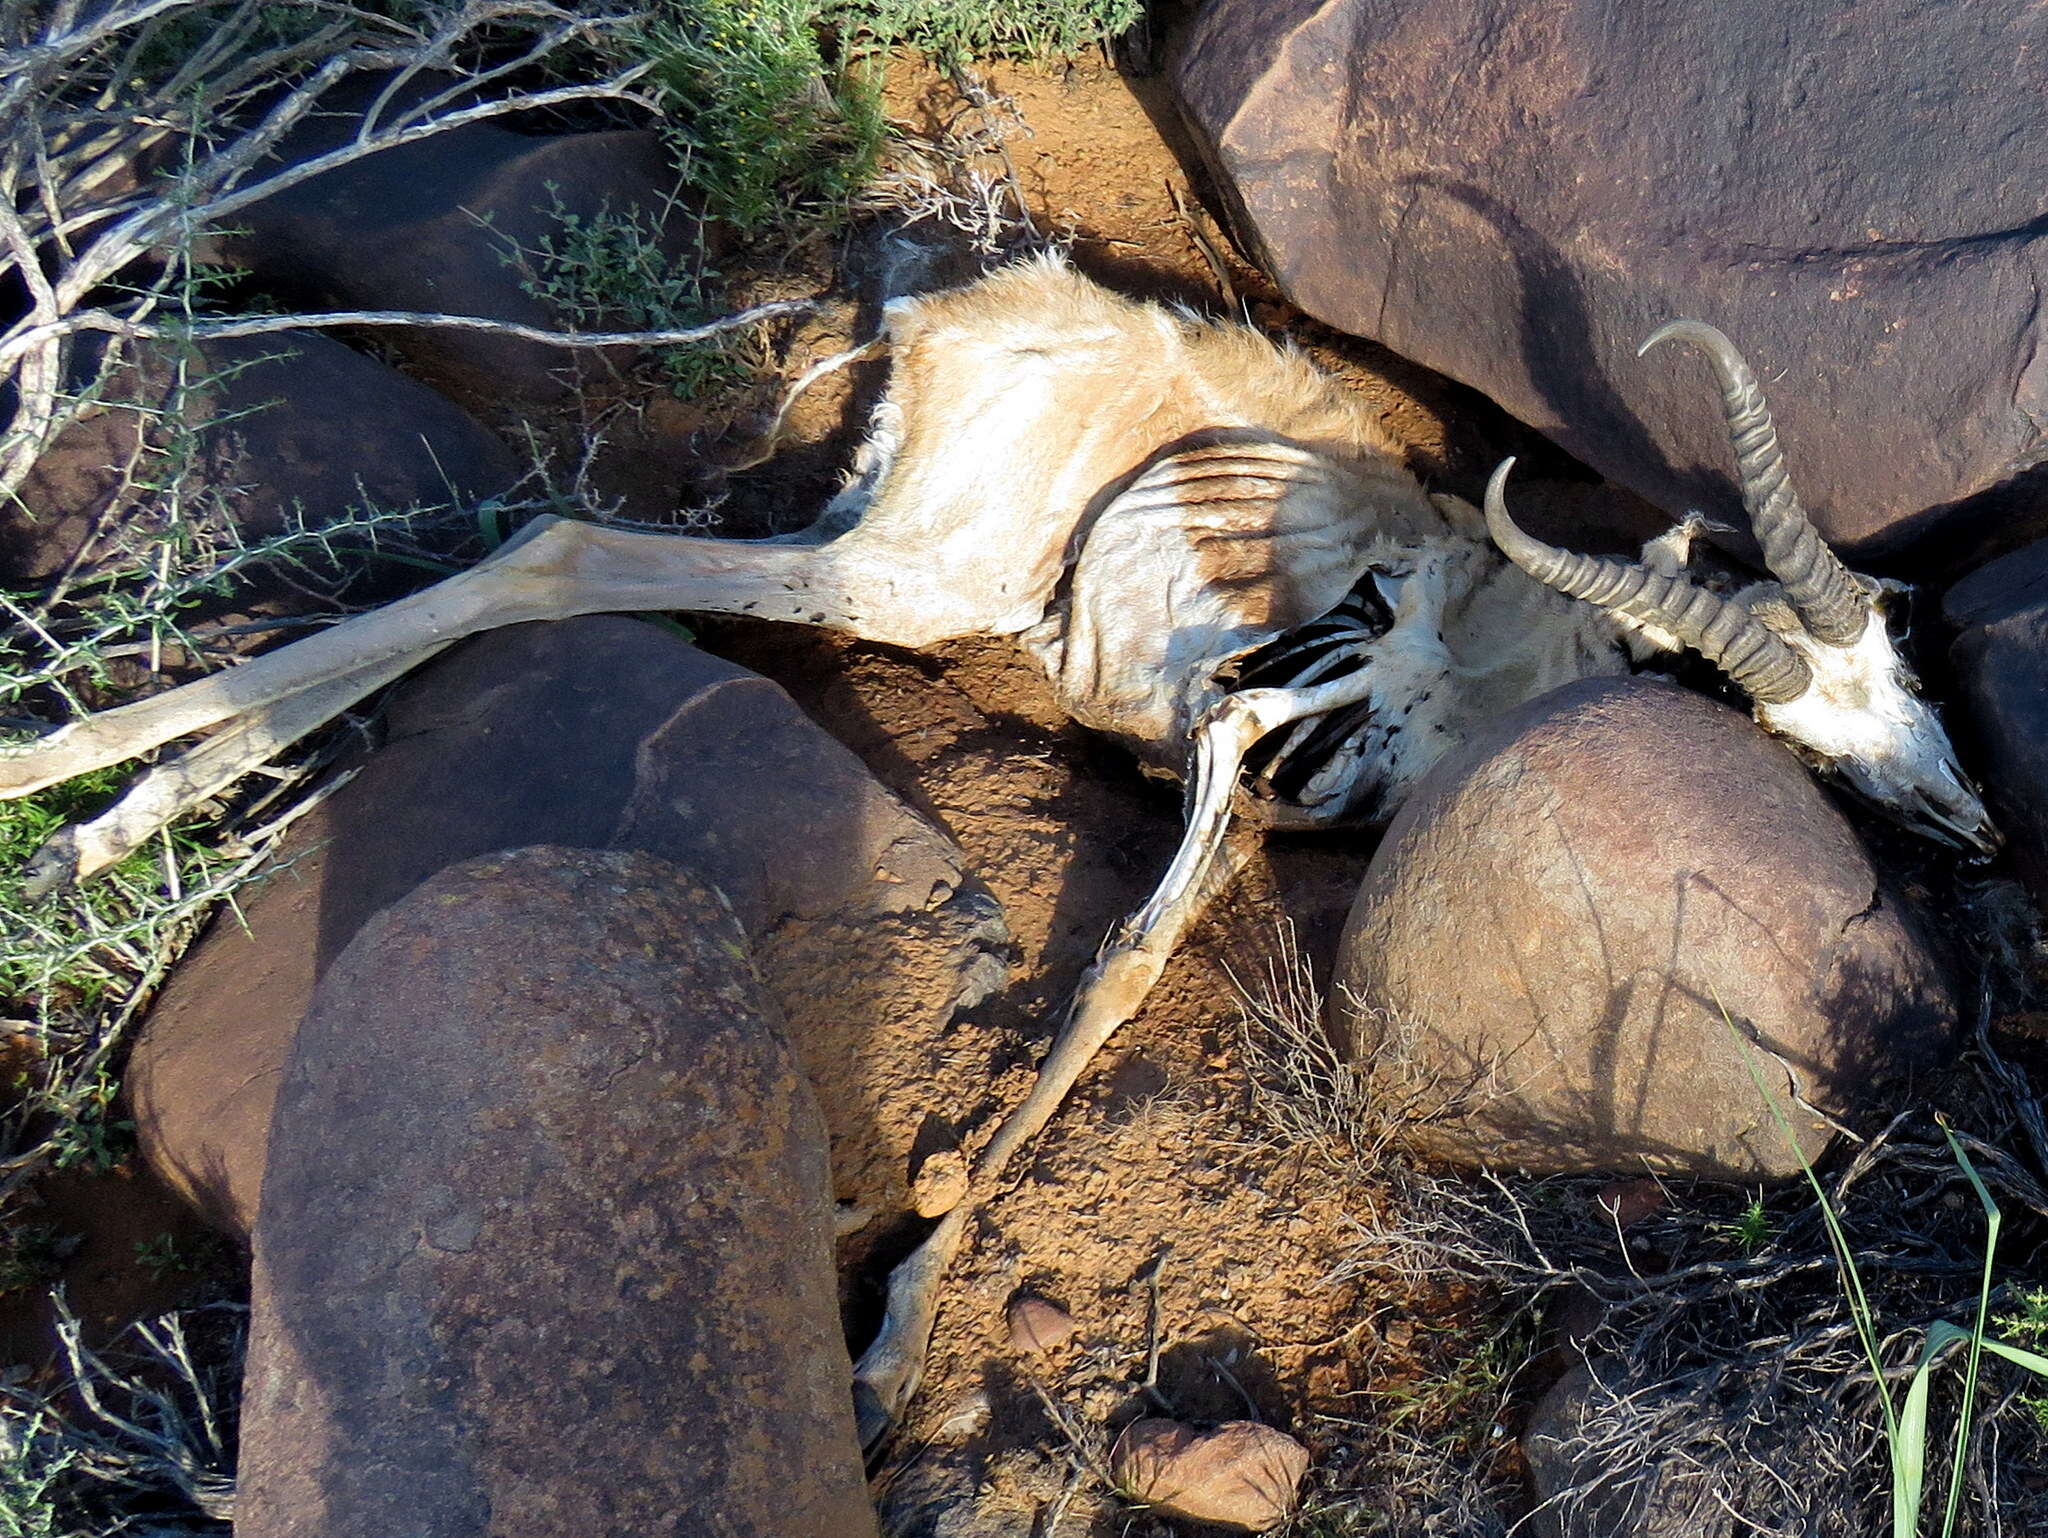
558	569
1109	993
175	786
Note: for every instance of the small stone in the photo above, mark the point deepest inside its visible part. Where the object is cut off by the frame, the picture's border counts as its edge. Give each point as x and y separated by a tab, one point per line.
940	1184
1038	1326
968	1416
1241	1475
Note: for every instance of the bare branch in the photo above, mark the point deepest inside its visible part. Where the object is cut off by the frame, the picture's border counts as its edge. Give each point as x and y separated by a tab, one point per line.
265	325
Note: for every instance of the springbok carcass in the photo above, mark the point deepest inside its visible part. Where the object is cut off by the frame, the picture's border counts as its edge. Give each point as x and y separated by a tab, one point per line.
1215	555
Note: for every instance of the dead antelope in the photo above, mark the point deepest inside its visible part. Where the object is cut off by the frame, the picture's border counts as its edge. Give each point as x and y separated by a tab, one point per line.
1213	553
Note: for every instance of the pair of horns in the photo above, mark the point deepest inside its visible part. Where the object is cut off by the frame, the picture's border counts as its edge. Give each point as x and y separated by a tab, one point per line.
1828	599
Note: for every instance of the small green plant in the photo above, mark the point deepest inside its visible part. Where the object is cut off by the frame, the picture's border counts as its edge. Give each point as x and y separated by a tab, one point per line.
610	271
32	1254
32	1465
774	106
163	1256
2025	1323
1751	1230
768	130
1458	1405
955	31
90	1138
1905	1415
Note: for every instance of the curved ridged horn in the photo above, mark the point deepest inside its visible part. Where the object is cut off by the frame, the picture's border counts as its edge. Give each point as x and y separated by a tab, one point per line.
1725	633
1828	600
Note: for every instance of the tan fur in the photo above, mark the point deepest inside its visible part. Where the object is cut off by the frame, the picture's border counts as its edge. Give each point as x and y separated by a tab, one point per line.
1028	401
1141	497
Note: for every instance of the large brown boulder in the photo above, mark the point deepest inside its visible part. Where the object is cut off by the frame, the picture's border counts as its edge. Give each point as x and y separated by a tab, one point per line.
604	732
2001	668
546	1241
277	431
1516	193
1576	928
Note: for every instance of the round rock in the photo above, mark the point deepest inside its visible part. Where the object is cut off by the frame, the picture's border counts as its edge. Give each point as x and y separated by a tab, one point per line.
1591	926
1242	1475
546	1242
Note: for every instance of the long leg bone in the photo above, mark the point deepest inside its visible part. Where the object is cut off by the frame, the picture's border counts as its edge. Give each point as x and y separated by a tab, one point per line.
1109	994
560	569
159	797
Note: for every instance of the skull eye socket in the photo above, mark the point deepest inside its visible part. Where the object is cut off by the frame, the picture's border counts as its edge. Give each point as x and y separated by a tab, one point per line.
1896	601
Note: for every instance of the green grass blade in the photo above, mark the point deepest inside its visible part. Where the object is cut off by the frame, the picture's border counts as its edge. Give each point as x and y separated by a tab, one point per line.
1860	1312
1994	1220
2033	1361
1908	1452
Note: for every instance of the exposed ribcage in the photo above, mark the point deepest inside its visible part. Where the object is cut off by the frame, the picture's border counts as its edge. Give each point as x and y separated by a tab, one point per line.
1321	766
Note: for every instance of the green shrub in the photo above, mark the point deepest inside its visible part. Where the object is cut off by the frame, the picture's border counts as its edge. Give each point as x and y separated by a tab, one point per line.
610	271
765	128
774	106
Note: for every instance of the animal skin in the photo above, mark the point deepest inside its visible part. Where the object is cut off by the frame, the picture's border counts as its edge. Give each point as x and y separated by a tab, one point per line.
1215	554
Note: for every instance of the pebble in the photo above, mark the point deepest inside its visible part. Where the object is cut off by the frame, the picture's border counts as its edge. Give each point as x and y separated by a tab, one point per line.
1242	1474
1037	1326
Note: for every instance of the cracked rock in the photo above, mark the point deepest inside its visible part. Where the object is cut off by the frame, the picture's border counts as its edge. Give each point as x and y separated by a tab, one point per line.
1516	193
1578	920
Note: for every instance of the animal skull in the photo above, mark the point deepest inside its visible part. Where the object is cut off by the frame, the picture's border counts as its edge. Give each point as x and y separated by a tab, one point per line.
1214	554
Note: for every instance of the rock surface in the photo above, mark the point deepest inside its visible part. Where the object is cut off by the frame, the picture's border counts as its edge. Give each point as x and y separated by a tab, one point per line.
1538	961
453	223
1517	193
604	732
1242	1474
1581	1495
545	1243
2001	667
288	425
